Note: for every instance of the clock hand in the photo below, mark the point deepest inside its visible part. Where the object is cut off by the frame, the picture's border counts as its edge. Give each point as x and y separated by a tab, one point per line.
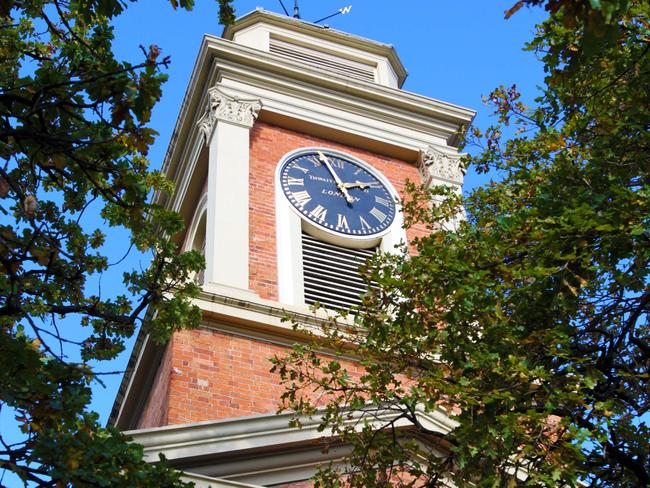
360	184
339	183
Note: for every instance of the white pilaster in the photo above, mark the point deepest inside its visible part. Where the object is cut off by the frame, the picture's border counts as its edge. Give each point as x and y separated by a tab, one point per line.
442	168
226	127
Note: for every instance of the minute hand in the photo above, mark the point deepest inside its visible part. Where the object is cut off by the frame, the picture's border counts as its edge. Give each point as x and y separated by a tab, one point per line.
339	183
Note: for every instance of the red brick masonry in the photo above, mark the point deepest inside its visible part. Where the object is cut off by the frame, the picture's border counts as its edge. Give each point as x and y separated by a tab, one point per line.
215	375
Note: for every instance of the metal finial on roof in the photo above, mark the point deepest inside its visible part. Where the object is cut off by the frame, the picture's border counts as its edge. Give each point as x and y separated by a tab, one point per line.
296	10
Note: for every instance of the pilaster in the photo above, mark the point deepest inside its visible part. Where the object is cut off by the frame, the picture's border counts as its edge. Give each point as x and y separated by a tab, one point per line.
225	126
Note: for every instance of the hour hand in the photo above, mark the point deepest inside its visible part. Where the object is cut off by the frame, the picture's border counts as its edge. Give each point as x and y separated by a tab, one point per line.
357	184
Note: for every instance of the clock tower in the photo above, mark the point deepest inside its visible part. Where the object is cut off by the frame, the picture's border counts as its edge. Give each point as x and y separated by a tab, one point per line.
292	147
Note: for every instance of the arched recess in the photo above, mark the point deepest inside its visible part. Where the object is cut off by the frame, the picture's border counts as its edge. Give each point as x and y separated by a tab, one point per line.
195	240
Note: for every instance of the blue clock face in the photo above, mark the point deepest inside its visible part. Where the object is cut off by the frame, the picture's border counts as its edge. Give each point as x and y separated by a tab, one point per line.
336	193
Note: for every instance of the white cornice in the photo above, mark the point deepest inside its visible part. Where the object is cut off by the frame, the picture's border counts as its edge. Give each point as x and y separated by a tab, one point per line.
262	432
227	50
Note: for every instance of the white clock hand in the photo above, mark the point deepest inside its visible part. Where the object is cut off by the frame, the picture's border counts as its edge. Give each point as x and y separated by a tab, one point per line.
339	183
357	183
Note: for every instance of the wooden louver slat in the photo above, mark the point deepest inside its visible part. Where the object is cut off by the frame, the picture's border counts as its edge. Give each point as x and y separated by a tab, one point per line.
331	273
346	67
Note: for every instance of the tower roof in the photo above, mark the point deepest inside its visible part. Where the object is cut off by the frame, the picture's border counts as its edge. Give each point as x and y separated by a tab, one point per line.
317	44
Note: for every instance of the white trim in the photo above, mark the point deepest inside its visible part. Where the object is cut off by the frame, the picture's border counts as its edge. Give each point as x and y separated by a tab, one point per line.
132	377
241	435
291	288
201	208
263	449
201	481
258	448
191	155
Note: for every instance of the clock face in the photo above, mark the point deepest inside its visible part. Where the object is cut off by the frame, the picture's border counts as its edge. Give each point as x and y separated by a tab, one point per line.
337	193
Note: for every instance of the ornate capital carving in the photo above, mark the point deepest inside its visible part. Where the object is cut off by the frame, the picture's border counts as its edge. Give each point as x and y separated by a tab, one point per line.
435	164
228	109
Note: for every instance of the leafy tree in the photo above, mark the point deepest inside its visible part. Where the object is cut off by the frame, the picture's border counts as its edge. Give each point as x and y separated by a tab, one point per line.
73	143
527	323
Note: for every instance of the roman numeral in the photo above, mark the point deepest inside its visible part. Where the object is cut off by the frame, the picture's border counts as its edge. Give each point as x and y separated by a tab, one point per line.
301	197
337	163
378	214
382	201
297	166
314	160
357	171
319	212
295	181
364	225
342	222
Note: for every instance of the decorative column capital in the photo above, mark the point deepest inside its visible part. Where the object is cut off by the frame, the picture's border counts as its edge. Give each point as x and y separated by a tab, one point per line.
227	108
438	165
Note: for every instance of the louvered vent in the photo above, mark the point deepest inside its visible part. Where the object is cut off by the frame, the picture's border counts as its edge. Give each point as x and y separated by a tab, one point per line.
328	62
331	273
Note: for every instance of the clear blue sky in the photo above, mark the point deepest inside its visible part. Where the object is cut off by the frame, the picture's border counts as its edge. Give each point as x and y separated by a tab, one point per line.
455	51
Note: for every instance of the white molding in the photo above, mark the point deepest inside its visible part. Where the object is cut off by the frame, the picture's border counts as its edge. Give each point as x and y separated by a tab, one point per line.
201	481
201	207
291	285
241	307
327	107
263	449
141	346
243	434
191	155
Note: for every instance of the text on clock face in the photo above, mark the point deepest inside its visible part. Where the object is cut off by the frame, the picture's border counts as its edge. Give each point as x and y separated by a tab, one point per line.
337	193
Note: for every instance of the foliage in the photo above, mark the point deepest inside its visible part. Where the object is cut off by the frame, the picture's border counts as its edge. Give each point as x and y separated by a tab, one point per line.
73	142
528	323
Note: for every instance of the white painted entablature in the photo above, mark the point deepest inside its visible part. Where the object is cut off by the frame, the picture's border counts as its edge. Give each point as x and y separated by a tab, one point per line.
337	53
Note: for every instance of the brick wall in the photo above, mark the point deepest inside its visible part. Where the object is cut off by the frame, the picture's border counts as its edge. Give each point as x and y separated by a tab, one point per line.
216	375
268	144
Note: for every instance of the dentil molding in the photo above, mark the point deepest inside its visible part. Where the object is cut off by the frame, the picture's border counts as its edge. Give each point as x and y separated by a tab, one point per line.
435	164
227	108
